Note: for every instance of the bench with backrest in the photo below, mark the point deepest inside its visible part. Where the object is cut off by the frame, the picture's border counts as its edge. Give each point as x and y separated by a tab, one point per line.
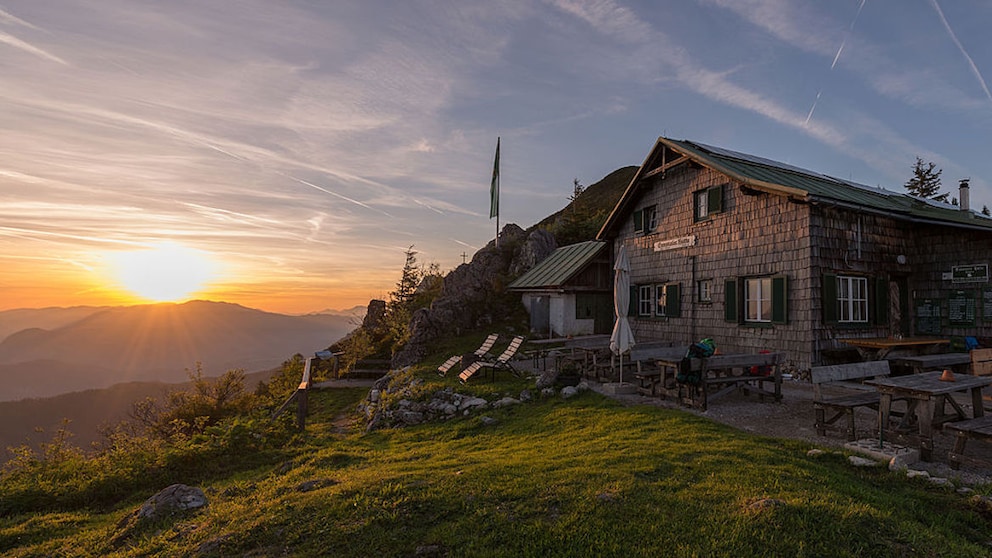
847	376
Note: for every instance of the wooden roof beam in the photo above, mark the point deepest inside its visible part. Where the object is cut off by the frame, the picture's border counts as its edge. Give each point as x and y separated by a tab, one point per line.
659	170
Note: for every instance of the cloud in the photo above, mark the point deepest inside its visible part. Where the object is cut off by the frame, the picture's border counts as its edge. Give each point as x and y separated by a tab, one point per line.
967	57
24	46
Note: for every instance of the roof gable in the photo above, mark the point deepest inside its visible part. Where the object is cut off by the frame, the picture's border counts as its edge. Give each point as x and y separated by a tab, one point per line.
786	180
563	264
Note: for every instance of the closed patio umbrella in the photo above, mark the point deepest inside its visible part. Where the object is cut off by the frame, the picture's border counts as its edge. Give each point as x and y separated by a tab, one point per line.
622	338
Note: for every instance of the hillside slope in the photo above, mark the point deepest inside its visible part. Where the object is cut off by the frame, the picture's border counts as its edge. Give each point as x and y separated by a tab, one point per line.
157	343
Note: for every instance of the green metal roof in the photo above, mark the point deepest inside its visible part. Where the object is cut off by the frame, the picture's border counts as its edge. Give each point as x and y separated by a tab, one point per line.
559	267
772	175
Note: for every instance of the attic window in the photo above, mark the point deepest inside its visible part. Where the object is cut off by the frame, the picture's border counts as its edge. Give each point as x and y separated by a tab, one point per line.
645	220
707	202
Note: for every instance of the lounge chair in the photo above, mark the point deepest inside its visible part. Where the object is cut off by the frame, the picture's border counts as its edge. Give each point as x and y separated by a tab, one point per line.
482	351
446	365
487	345
501	362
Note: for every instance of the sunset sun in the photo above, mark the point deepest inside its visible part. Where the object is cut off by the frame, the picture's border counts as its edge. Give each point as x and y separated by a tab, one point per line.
163	272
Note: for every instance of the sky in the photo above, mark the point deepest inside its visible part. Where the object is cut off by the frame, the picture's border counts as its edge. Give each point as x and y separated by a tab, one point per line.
285	155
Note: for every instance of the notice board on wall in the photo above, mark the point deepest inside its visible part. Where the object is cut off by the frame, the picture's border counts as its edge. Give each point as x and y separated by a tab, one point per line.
987	304
961	308
927	314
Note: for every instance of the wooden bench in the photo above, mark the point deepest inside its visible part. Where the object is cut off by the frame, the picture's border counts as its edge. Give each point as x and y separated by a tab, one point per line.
844	405
977	428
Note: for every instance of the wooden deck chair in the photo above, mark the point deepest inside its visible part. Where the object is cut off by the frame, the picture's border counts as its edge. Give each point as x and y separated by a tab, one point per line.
487	345
446	365
482	351
501	362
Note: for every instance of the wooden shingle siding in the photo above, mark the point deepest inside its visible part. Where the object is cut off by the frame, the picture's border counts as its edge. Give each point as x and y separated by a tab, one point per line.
851	260
753	235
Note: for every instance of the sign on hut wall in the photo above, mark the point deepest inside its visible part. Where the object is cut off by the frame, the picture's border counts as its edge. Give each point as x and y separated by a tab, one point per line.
927	316
976	273
961	308
672	244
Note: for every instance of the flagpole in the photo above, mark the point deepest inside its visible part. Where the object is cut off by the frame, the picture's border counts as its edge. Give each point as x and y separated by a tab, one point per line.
494	193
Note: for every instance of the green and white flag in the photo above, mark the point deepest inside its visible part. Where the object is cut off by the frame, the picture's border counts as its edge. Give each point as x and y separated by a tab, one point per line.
494	186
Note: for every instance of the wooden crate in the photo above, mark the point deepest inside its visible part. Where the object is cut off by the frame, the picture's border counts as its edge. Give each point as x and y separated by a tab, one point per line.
981	362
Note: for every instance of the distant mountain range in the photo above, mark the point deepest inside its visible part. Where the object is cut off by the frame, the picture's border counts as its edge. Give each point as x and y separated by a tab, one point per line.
51	351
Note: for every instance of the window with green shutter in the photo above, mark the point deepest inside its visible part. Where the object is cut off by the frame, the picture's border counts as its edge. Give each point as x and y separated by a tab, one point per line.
855	300
668	300
707	202
757	300
780	298
731	311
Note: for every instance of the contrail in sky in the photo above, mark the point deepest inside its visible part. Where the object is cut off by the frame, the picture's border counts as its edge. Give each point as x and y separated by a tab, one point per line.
837	57
954	37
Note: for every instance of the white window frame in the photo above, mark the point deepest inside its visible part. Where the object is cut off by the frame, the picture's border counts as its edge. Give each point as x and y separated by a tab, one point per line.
758	304
660	299
701	201
704	290
650	219
645	300
852	299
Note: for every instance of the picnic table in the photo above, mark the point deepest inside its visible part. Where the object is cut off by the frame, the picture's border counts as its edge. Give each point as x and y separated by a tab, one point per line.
928	396
877	348
722	374
922	363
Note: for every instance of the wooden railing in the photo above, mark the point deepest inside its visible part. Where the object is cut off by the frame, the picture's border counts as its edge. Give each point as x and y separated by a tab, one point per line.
301	395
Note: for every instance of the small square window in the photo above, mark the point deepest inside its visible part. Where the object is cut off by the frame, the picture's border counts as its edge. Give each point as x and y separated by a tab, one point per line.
645	298
704	290
707	202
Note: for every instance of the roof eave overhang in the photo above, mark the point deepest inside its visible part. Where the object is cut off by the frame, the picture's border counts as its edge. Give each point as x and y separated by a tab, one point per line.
620	208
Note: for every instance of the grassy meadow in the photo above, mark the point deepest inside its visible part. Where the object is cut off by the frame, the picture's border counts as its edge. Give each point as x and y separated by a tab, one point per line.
579	477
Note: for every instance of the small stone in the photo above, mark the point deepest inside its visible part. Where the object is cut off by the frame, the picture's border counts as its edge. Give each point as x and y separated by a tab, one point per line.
488	421
765	503
505	402
913	473
858	461
815	453
569	391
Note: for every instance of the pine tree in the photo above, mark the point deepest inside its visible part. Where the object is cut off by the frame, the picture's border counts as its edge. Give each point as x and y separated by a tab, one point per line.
985	211
925	182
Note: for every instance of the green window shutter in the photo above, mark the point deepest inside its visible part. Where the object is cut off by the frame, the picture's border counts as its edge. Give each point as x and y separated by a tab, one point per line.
879	305
714	199
829	299
673	301
730	301
632	307
780	300
638	221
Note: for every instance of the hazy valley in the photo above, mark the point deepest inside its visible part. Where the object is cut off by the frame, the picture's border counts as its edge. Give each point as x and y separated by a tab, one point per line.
89	364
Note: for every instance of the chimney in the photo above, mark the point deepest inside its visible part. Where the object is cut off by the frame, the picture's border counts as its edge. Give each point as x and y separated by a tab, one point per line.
963	194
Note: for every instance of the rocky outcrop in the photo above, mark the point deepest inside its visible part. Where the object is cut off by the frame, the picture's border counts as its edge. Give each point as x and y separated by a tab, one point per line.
399	399
467	296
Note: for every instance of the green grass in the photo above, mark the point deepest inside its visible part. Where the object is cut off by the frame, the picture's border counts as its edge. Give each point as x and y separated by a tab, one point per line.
577	477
